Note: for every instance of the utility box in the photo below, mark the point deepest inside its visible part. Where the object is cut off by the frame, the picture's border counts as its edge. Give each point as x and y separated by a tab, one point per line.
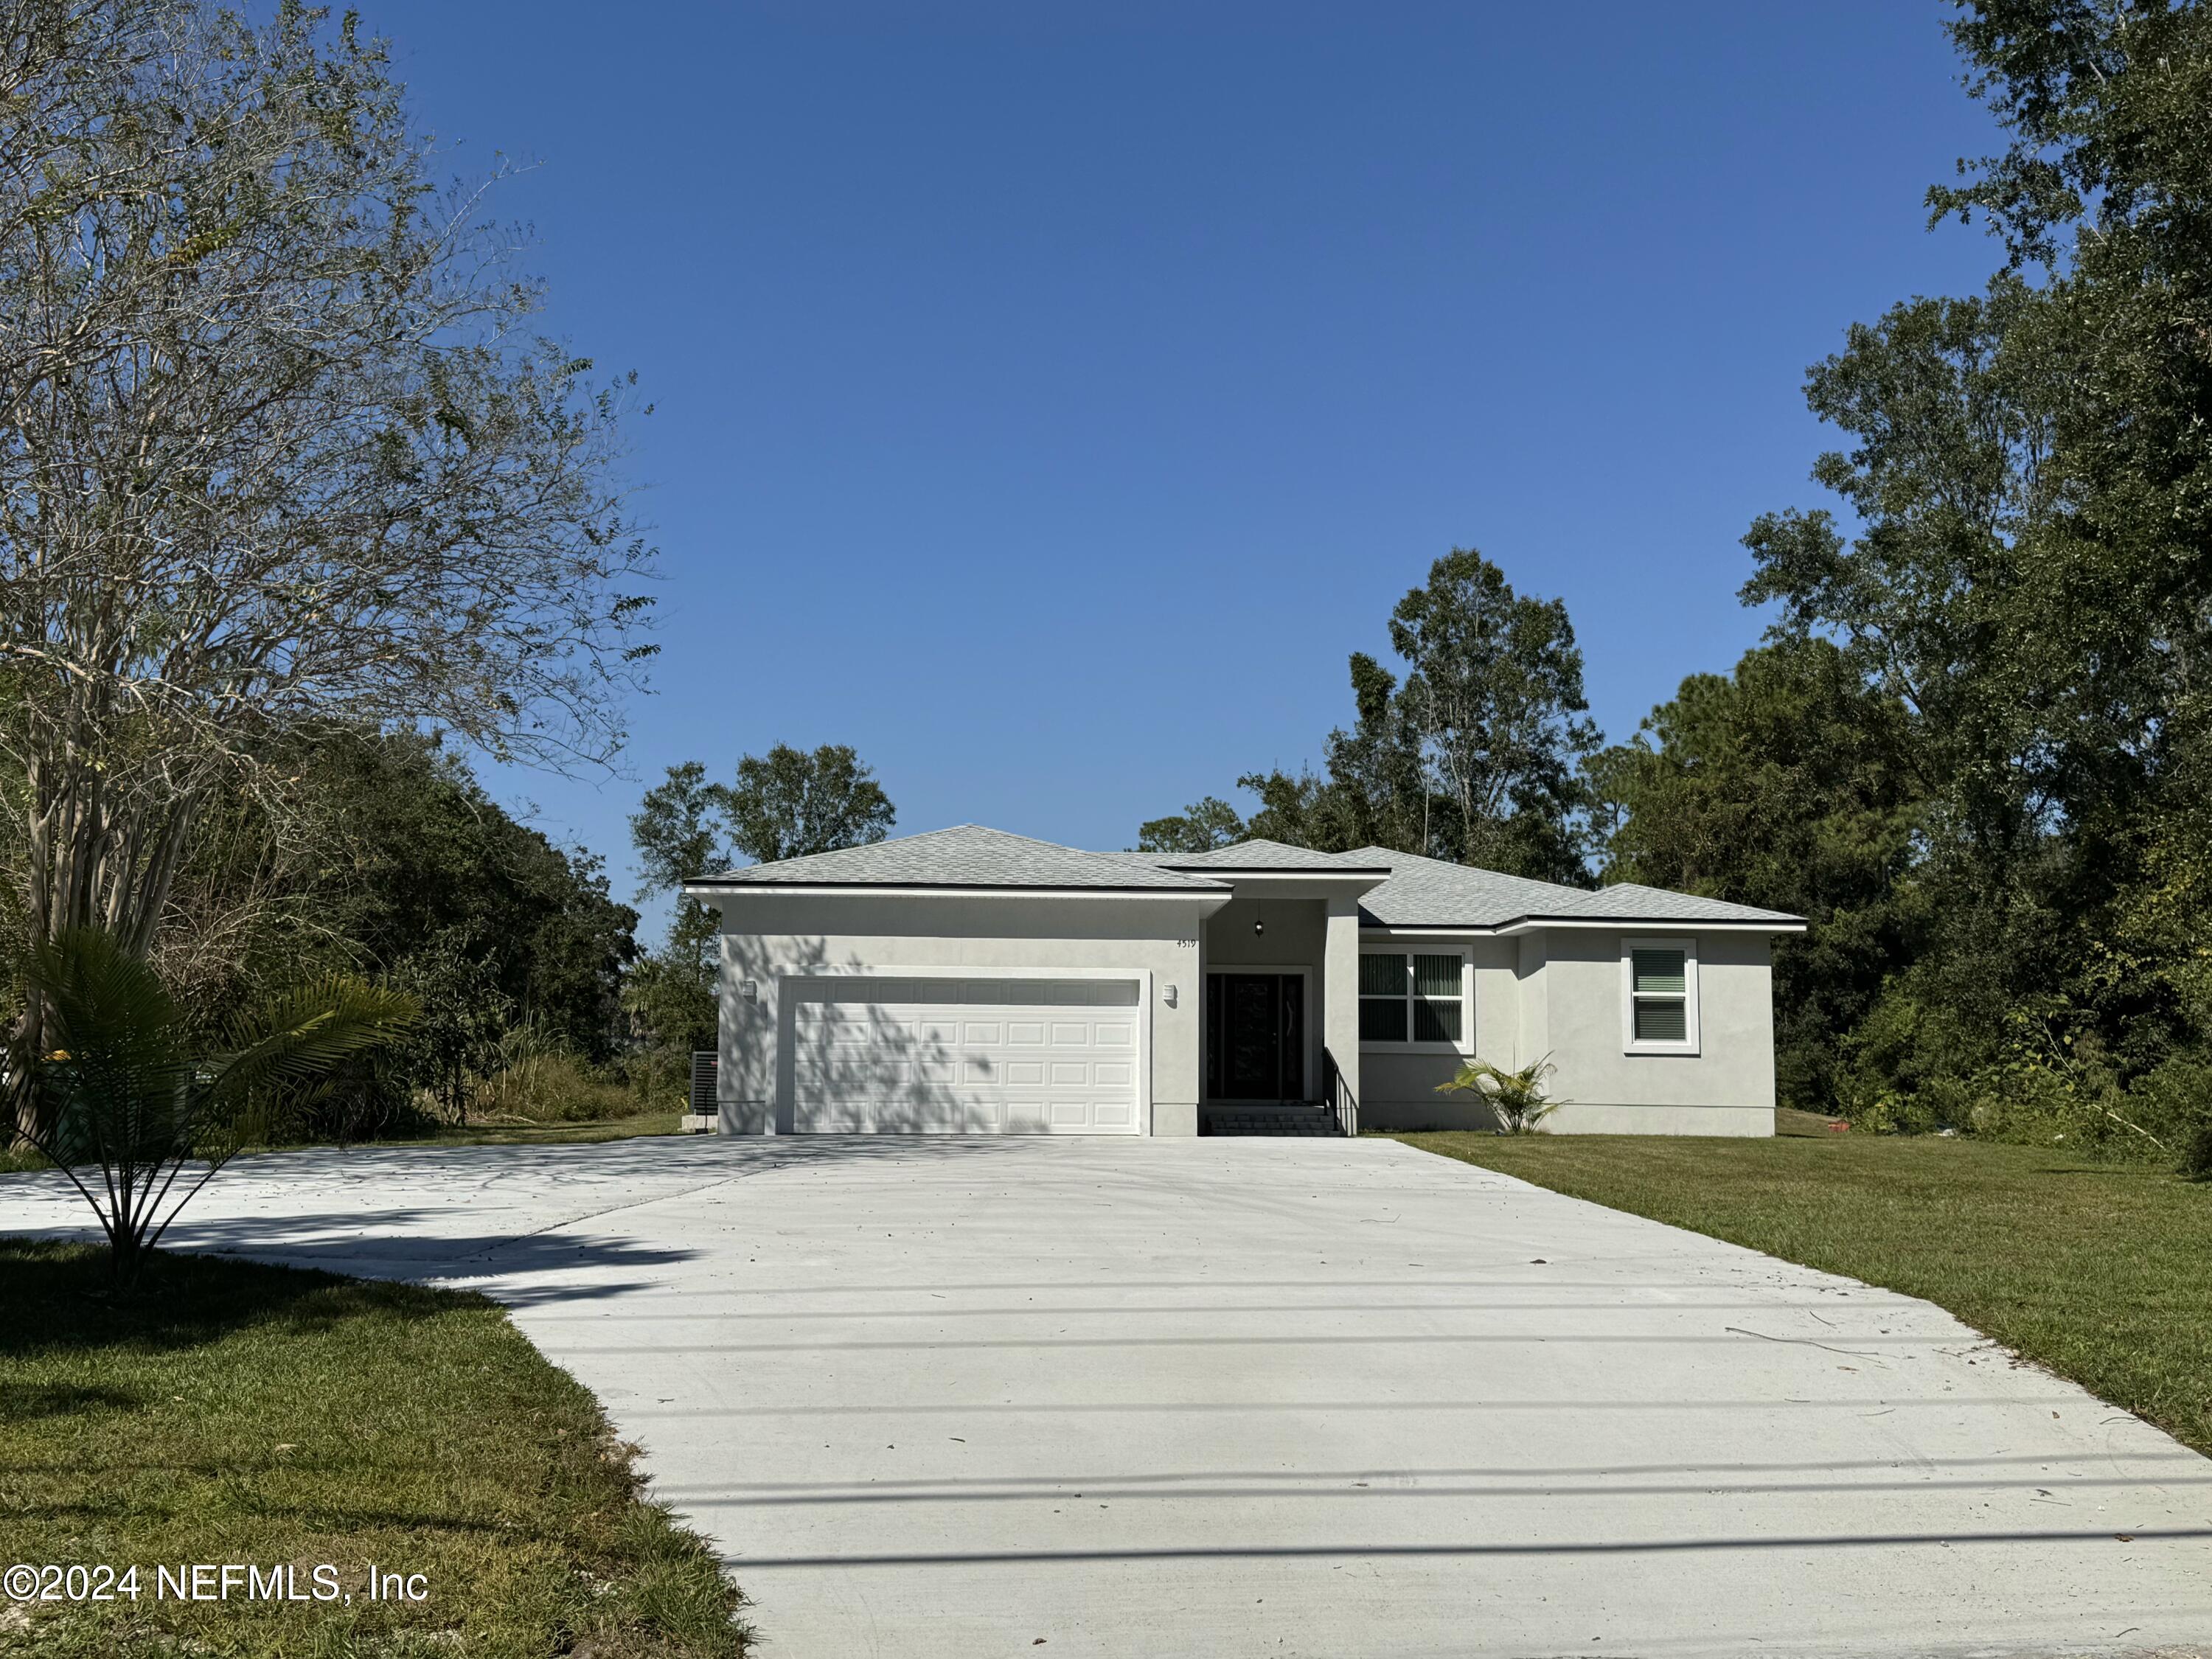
706	1115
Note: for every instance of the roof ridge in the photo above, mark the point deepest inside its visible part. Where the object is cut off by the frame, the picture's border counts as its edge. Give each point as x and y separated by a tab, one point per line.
973	855
1478	870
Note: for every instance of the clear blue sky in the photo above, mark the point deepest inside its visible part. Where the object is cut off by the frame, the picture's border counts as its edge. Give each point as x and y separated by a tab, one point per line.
1050	396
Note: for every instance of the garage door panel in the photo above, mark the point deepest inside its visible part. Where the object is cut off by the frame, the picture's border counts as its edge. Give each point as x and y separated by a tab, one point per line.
924	1056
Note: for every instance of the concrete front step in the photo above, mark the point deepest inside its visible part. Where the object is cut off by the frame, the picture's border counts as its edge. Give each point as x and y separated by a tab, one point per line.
1267	1121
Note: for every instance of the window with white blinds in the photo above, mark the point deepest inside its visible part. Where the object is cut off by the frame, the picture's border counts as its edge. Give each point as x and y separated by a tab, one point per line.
1659	995
1412	997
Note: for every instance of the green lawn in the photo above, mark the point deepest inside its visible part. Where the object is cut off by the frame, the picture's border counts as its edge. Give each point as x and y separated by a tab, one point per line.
230	1413
2101	1273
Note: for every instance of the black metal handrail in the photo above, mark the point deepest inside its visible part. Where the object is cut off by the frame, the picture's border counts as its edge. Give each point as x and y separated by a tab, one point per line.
1337	1095
705	1066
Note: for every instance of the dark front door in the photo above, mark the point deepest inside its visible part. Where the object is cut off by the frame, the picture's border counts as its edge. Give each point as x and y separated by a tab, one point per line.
1255	1037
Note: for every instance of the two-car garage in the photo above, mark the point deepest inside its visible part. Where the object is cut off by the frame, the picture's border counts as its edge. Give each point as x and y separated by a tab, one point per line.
876	1054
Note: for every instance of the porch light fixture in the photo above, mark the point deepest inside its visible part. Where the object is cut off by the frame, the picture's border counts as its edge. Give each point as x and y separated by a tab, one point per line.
1168	996
1258	926
749	989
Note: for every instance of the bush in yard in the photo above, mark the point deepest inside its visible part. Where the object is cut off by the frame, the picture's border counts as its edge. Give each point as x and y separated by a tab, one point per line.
2197	1156
538	1079
126	1091
1517	1097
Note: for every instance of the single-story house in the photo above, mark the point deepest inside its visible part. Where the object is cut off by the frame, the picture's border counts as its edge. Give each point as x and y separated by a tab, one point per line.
971	980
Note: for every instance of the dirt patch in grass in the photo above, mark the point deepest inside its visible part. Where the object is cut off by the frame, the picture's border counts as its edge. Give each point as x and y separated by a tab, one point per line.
230	1412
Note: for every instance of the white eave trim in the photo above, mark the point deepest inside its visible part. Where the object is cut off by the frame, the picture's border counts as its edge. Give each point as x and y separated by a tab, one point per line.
708	891
1538	924
1222	872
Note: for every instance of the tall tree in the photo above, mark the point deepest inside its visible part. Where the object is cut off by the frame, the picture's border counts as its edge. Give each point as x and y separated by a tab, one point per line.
277	447
1375	768
1474	757
785	804
1790	785
788	803
1201	827
1494	685
2030	572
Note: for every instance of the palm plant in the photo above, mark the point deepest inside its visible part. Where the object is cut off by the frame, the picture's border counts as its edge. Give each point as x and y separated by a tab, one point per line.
1519	1098
128	1104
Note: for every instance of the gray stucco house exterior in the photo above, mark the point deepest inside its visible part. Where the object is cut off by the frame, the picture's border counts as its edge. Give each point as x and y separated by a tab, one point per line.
967	980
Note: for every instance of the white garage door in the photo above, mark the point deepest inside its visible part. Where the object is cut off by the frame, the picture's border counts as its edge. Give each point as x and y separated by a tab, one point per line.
965	1056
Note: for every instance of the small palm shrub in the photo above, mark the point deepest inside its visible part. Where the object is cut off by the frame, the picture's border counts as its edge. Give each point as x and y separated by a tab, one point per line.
127	1102
1519	1098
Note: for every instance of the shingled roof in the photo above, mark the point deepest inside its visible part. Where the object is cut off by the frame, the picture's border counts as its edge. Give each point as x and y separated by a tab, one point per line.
1270	857
967	855
1425	892
1416	891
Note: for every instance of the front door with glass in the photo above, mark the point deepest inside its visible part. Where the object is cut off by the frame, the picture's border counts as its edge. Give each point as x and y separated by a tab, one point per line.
1255	1037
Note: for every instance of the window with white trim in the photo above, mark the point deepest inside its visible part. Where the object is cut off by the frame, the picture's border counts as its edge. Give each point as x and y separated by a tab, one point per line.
1418	997
1659	995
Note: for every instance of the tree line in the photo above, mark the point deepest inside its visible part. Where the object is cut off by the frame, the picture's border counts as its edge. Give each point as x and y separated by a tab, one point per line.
1974	749
299	507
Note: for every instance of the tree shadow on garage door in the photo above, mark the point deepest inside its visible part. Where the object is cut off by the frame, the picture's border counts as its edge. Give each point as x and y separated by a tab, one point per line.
978	1053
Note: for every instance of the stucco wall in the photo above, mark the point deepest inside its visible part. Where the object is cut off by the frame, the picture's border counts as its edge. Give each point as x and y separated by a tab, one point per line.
1559	993
1556	992
767	938
1296	935
1726	1088
1398	1086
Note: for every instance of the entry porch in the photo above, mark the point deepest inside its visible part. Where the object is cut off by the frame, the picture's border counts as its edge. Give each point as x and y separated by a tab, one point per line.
1280	980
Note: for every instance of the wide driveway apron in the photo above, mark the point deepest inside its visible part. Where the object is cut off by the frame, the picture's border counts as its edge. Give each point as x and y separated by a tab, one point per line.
975	1397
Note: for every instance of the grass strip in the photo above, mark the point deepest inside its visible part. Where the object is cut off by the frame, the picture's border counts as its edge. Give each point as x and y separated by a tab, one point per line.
227	1412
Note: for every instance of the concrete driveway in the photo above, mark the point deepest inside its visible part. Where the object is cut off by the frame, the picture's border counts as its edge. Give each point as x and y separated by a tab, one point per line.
973	1398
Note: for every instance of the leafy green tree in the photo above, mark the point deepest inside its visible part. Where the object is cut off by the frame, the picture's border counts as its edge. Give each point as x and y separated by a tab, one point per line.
1201	827
280	450
2029	475
679	833
1790	785
341	481
1381	788
788	803
1474	757
785	804
423	864
1494	687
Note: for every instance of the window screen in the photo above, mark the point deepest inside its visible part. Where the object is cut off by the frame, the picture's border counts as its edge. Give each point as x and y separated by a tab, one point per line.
1411	998
1381	998
1436	1000
1659	993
